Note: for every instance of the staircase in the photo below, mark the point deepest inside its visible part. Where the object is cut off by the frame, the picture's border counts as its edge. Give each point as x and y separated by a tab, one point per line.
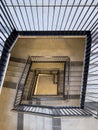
22	82
61	82
53	111
27	80
27	85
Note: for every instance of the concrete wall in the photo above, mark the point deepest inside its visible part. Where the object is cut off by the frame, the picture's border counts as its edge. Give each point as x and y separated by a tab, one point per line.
13	74
48	66
72	47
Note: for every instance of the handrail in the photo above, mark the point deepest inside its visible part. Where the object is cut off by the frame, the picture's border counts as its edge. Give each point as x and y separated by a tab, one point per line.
67	86
4	72
24	69
18	84
68	80
49	58
32	85
29	60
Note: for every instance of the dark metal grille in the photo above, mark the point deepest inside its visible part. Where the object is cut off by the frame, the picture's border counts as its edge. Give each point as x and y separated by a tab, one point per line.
50	58
52	14
7	36
91	100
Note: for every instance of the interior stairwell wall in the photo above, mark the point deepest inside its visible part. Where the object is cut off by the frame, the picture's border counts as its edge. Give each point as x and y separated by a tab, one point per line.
74	48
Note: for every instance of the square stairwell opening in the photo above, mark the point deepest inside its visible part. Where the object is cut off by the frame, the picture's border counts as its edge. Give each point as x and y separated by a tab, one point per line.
45	73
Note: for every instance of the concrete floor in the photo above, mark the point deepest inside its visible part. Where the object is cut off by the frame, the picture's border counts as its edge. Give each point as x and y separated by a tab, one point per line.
45	85
55	102
10	120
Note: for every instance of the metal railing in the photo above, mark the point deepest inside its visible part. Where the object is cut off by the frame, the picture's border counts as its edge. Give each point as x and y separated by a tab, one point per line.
8	35
63	15
66	87
21	83
53	111
91	98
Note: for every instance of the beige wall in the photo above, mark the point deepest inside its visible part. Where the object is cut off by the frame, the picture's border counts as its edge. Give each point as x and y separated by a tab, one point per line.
8	118
72	47
48	65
